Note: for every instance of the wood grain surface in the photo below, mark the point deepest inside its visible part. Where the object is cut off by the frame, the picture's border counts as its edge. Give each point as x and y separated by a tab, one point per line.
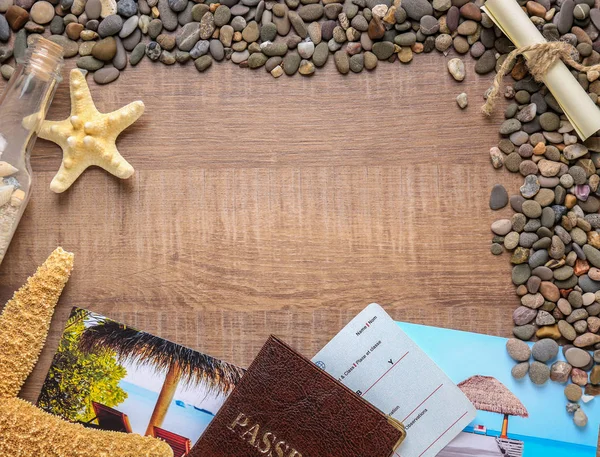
283	206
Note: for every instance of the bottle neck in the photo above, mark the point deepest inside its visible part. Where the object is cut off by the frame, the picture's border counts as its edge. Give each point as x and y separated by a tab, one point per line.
27	97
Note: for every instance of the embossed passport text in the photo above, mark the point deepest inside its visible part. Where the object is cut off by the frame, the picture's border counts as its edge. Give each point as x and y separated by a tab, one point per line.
285	406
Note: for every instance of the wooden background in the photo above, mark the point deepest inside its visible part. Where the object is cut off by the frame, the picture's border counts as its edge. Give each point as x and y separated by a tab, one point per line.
281	206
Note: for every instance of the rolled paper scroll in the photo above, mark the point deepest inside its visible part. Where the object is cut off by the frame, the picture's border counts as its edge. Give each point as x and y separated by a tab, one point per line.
577	105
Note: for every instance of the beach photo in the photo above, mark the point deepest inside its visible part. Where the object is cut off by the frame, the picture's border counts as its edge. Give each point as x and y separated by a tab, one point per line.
515	418
110	376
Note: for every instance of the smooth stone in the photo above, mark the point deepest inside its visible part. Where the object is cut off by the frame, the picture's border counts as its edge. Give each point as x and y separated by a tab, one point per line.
137	54
105	49
518	350
203	63
577	357
416	9
42	12
524	332
168	16
486	63
129	26
539	373
217	50
498	197
544	350
120	59
188	36
520	370
291	63
106	75
239	57
132	40
89	63
111	25
128	8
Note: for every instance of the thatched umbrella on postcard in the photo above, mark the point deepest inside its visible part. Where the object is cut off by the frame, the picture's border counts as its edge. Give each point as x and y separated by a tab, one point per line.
488	394
180	364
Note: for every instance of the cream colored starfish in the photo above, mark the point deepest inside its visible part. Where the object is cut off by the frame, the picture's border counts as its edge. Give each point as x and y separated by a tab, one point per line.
26	431
88	136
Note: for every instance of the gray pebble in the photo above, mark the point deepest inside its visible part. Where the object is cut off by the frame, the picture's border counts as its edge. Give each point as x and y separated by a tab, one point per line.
545	349
127	8
539	373
129	26
216	50
110	26
89	63
137	54
106	75
520	370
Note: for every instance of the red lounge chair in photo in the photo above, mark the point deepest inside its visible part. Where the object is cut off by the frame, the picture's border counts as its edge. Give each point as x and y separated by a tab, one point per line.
111	419
181	445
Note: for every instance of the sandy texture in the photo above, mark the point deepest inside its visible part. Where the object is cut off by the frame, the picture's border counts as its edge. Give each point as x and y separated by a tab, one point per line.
25	430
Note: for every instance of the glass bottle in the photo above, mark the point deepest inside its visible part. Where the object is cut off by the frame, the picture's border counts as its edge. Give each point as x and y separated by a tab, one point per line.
23	107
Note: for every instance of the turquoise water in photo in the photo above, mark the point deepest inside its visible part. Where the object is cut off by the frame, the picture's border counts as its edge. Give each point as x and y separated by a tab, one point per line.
548	431
183	420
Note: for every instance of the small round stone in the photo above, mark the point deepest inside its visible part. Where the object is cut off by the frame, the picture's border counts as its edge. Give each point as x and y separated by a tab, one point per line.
544	350
106	75
539	373
520	370
573	392
518	350
42	12
498	197
577	357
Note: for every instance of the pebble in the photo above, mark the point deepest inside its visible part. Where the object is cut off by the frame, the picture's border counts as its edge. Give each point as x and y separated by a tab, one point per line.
106	75
416	9
137	54
4	29
579	418
153	50
539	373
577	357
498	197
573	392
456	67
342	62
203	63
560	372
518	350
111	25
89	63
544	350
520	370
42	12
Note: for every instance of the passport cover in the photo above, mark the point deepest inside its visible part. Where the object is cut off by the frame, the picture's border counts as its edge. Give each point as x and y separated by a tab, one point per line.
285	406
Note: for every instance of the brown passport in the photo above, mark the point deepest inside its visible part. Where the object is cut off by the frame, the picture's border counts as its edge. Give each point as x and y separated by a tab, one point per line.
285	406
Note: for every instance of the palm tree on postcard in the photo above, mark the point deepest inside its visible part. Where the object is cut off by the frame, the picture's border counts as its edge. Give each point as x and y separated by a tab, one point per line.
180	365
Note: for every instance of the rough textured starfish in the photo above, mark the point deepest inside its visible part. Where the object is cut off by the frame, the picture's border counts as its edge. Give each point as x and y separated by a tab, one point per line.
88	136
26	431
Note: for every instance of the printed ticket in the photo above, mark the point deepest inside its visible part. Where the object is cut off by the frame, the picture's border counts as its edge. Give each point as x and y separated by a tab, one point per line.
376	359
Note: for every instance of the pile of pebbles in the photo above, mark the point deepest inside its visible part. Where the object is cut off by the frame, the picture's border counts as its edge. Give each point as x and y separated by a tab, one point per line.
553	237
574	369
287	37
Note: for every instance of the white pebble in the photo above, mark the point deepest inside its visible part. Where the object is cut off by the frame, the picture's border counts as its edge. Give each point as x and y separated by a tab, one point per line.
462	100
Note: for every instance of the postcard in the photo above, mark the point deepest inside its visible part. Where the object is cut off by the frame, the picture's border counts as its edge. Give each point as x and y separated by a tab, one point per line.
515	418
376	359
111	376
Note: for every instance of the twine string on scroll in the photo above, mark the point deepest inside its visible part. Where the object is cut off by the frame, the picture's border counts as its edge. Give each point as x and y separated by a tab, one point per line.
541	57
